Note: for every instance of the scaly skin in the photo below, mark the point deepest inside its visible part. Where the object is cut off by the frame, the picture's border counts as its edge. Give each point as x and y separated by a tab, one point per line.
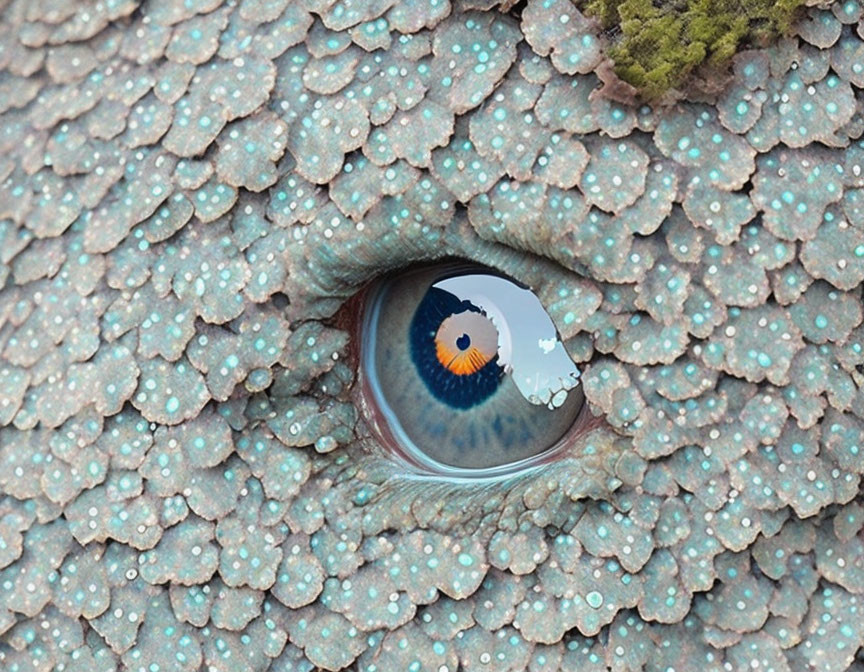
191	190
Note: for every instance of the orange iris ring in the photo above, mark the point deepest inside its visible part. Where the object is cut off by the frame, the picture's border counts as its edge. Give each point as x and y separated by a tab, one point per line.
460	362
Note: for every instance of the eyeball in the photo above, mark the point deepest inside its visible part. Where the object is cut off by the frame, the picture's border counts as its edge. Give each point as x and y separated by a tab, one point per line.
465	371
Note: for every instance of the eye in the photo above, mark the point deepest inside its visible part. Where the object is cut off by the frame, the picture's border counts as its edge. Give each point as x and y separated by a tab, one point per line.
464	371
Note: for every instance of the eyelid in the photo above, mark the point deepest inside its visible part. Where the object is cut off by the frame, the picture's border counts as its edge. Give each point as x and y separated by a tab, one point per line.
349	318
585	423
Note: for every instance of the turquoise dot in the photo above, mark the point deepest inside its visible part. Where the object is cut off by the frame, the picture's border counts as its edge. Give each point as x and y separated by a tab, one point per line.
594	599
172	404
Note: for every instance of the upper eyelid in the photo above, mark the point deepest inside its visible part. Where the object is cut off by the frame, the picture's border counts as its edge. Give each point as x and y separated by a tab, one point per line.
324	277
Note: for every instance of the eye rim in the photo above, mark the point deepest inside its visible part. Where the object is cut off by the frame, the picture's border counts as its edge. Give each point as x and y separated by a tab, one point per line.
369	398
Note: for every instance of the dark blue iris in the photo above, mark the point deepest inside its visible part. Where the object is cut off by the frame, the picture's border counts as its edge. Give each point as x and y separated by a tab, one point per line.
456	391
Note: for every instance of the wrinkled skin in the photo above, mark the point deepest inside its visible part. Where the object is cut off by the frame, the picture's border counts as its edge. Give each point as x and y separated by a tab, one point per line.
192	189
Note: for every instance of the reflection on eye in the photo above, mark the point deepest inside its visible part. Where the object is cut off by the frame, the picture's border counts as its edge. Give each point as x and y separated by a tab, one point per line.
465	370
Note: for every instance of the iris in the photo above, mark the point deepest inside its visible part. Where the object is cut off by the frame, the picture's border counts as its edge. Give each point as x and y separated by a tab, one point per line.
466	371
457	369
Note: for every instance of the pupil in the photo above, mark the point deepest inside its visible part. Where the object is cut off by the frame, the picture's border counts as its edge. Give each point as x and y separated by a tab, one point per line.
463	342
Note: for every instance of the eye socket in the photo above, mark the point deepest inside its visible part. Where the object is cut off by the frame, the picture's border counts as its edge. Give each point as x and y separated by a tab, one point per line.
465	371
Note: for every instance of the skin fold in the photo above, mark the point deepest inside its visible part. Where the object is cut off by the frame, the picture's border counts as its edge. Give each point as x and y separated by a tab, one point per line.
194	195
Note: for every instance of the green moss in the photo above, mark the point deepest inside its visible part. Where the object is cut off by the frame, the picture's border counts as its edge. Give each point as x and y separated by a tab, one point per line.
657	45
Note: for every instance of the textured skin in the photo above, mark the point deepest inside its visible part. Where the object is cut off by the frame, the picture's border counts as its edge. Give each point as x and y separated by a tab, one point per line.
190	191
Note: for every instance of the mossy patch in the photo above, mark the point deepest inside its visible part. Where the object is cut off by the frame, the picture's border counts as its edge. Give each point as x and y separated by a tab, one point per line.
657	44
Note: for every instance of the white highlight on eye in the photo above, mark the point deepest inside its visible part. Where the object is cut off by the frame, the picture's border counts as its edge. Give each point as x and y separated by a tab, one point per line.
547	345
